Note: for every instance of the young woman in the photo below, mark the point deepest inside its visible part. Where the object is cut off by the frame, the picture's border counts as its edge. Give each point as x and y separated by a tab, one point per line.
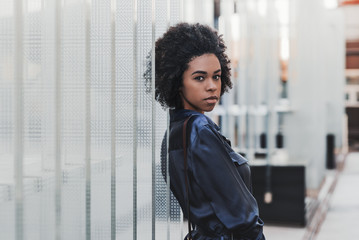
192	72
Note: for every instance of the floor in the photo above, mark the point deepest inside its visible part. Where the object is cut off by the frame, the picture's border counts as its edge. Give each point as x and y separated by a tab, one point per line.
337	218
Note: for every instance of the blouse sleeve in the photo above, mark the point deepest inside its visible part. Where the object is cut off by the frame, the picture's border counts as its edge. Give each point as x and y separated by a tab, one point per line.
222	185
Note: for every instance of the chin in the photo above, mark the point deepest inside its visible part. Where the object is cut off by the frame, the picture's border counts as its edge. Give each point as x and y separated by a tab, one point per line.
208	109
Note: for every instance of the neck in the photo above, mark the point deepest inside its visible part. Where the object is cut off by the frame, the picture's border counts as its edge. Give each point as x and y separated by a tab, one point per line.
192	107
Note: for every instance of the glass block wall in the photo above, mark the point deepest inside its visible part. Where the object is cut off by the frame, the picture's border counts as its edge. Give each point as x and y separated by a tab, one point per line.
80	132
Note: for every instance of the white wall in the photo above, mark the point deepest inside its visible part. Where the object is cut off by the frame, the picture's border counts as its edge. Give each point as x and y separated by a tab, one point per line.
316	81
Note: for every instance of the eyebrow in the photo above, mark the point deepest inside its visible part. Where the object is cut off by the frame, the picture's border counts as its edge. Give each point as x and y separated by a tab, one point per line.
204	72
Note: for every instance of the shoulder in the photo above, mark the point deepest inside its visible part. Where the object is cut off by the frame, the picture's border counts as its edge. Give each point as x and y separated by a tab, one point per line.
200	122
202	127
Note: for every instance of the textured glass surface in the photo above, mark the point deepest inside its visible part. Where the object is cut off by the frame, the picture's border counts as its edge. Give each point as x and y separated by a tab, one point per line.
67	85
168	212
175	210
34	193
144	125
161	194
7	84
73	119
101	119
125	144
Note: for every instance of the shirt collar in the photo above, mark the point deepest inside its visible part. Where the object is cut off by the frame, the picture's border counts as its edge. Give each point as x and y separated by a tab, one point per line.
176	115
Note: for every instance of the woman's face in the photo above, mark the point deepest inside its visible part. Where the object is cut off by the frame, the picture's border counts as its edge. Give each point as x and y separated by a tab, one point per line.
201	88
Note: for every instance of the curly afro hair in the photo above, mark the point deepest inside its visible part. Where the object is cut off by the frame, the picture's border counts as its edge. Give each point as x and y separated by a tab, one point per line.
174	50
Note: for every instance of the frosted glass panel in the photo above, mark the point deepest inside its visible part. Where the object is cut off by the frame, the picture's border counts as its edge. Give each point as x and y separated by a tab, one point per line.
162	207
89	141
7	84
125	207
36	188
100	119
73	120
144	126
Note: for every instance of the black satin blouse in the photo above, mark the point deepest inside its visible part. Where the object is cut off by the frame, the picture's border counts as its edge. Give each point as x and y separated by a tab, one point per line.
221	200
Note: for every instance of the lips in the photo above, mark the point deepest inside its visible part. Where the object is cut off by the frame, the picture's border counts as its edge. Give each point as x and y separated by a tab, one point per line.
211	99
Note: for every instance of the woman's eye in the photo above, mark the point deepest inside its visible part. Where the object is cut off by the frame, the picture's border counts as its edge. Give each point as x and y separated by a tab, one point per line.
199	78
217	77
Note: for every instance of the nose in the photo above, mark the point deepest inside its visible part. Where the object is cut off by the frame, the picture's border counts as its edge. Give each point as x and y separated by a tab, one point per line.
212	85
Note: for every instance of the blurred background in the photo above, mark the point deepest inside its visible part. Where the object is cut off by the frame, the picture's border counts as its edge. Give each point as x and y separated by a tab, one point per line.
80	135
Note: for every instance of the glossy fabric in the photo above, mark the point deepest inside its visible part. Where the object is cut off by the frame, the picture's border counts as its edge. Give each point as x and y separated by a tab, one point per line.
221	202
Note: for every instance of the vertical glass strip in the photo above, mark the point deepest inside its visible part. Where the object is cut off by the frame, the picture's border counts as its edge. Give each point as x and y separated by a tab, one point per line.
43	199
135	126
58	122
168	190
125	123
168	13
32	119
181	11
161	188
175	12
101	114
144	123
8	71
88	115
153	123
113	119
19	118
73	115
175	213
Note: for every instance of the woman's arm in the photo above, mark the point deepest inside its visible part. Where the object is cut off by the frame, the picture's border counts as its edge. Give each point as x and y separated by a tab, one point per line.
215	173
